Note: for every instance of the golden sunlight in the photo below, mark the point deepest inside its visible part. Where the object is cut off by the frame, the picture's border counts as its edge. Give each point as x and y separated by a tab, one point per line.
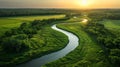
84	2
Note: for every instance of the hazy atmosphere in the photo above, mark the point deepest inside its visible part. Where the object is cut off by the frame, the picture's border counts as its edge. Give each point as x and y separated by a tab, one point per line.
59	33
59	3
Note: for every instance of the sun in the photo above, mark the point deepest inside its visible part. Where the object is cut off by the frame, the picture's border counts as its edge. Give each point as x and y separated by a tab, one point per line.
84	2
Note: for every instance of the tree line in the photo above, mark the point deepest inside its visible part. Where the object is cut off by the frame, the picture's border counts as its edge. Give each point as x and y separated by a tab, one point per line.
99	16
31	12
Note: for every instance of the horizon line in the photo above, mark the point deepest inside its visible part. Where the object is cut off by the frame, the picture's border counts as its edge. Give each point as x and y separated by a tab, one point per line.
49	8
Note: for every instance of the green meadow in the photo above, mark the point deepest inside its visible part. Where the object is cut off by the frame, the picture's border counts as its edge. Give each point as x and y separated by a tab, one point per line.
10	22
112	24
45	41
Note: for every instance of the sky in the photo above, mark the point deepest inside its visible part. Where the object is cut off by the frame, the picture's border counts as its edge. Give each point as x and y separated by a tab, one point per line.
59	3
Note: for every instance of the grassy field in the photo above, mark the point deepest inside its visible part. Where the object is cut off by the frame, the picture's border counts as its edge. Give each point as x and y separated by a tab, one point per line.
87	54
6	24
31	18
45	41
112	24
9	22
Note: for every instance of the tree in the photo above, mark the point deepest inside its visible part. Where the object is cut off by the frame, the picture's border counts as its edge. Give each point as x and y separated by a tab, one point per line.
23	25
14	44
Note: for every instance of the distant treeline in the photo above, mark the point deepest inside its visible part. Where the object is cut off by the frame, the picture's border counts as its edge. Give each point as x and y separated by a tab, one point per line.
29	12
100	15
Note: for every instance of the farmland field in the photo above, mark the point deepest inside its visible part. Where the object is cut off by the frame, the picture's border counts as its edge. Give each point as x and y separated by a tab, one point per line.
10	22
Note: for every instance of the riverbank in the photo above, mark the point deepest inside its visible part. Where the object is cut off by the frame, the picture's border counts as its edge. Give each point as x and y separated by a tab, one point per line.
88	53
49	41
72	44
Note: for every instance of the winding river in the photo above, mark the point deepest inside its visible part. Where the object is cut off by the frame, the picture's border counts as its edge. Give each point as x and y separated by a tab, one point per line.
72	44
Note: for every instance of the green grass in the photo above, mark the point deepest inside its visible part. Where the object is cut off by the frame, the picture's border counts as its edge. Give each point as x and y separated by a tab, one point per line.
87	54
7	23
112	24
31	18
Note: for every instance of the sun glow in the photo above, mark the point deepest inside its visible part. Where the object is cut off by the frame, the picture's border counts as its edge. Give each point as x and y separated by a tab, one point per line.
84	2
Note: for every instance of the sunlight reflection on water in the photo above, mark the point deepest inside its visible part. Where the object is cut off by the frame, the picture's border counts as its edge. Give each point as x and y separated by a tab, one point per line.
84	21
